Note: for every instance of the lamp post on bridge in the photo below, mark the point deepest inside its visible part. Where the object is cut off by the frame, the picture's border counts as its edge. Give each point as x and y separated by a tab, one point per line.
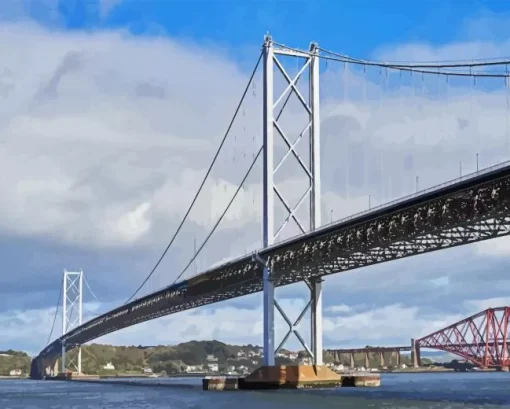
477	161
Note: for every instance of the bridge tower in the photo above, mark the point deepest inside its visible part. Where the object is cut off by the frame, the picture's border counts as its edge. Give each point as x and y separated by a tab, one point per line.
311	170
72	312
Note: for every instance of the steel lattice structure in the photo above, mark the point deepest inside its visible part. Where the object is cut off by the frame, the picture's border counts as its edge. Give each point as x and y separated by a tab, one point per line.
467	210
72	301
482	339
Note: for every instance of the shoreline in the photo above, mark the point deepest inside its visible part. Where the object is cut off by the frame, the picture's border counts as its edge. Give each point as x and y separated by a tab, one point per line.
202	375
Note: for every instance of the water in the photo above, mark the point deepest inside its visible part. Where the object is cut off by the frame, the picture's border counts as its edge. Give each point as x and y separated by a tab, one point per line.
468	390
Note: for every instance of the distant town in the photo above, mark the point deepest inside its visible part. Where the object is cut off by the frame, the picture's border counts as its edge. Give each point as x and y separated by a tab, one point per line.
202	358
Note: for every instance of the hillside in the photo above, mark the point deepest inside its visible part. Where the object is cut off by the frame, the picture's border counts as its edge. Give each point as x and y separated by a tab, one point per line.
193	356
10	360
167	359
187	356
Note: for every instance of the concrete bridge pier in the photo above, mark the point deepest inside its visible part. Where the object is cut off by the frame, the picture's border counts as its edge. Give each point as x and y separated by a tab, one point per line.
415	353
381	359
39	368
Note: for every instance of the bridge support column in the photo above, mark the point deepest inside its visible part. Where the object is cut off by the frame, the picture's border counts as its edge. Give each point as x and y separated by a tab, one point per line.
268	199
398	359
311	107
316	321
367	360
351	355
72	301
63	360
271	233
415	353
381	358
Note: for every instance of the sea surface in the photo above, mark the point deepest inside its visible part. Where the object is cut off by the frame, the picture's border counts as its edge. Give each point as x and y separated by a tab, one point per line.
445	390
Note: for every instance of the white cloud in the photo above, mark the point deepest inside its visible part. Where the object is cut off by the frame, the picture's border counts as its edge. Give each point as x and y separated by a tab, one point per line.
342	308
91	135
496	247
483	304
106	6
105	138
343	327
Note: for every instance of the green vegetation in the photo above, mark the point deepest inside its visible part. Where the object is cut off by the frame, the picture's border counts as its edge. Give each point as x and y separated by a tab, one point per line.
161	359
10	360
175	359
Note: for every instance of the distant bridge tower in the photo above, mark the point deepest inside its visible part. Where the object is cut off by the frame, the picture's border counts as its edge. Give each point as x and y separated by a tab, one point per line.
72	313
311	170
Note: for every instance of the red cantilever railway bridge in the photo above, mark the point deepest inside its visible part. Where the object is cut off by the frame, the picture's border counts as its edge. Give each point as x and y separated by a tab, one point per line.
482	339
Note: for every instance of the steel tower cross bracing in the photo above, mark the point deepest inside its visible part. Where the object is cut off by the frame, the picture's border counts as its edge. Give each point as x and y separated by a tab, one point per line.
72	300
270	190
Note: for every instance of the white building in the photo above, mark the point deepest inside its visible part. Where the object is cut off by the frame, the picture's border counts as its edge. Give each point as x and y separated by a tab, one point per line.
243	369
109	366
147	370
15	372
194	368
212	363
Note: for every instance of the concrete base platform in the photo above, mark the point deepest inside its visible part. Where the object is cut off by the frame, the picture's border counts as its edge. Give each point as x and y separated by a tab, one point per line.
292	377
220	384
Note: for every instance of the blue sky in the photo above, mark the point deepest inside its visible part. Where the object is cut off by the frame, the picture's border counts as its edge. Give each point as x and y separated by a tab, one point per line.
352	26
110	109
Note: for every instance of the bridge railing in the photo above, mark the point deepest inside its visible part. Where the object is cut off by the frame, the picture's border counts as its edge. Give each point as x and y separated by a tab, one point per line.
371	210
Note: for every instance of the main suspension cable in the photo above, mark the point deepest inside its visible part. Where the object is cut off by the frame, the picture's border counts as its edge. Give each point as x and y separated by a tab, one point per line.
56	312
457	64
93	295
203	181
413	67
90	289
221	217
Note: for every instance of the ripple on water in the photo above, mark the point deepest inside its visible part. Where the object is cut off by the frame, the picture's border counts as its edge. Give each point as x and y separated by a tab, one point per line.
445	391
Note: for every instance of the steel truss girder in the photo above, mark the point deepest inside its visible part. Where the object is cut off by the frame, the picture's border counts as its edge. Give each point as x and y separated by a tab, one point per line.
468	211
481	338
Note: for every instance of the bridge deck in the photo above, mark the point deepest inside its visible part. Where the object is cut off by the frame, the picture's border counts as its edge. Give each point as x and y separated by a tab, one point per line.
459	212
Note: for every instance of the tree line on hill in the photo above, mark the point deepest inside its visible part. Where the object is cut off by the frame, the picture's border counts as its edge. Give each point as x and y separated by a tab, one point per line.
13	360
160	358
174	359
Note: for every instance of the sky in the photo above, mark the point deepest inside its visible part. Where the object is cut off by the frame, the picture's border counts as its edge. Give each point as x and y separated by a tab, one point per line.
111	111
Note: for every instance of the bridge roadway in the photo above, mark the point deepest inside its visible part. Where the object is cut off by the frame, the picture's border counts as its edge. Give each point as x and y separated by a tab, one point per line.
466	210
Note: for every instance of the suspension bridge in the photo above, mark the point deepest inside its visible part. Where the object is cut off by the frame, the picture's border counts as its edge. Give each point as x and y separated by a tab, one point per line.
468	208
